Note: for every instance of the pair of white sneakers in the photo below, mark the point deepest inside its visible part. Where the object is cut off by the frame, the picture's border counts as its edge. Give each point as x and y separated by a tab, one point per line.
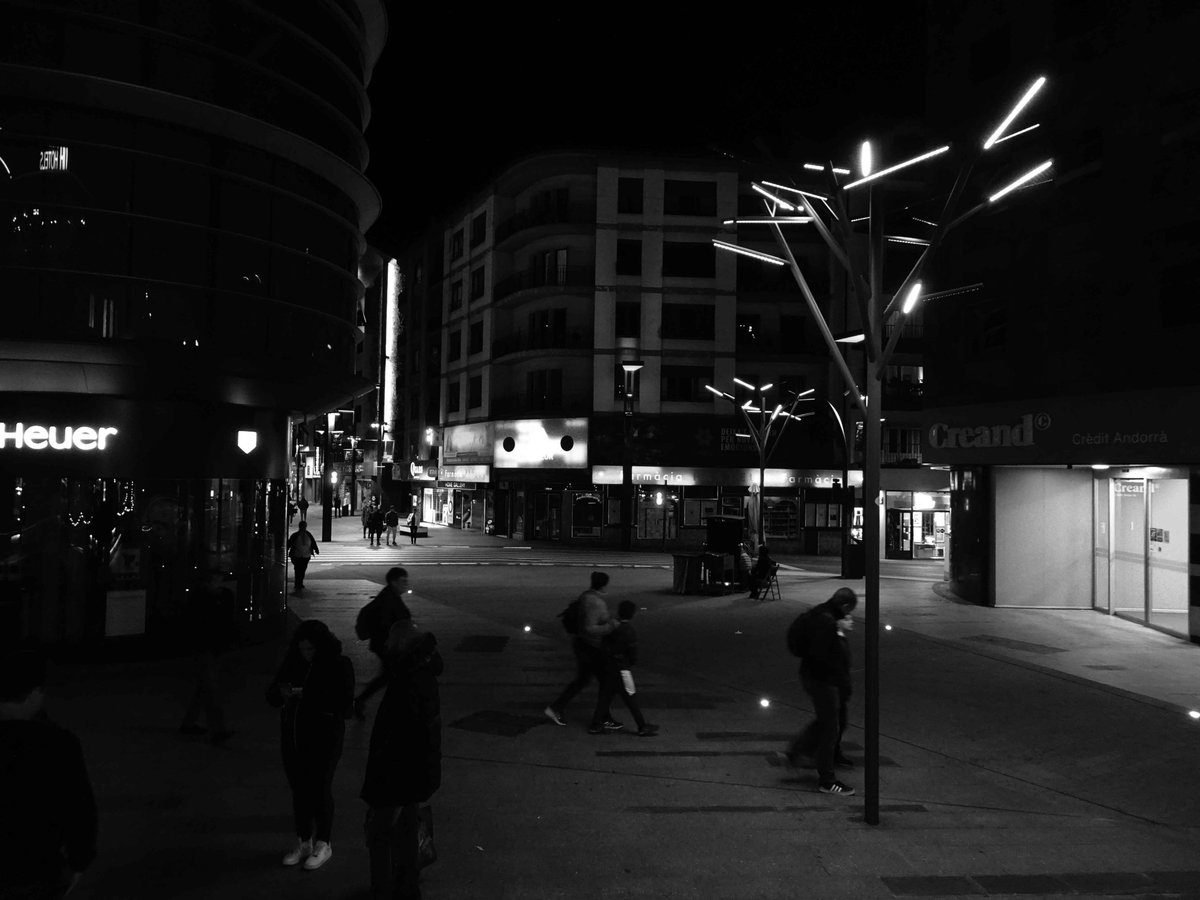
313	855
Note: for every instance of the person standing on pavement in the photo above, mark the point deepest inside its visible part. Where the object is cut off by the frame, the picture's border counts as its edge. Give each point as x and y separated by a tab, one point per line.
302	505
404	761
302	547
392	520
590	660
621	655
366	517
374	624
413	522
209	631
825	675
314	688
47	807
375	527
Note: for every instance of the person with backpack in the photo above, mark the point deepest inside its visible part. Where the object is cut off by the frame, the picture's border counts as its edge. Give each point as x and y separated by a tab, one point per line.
375	527
587	621
301	548
374	623
392	520
819	637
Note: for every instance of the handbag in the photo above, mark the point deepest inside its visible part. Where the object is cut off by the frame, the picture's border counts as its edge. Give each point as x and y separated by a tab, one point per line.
426	852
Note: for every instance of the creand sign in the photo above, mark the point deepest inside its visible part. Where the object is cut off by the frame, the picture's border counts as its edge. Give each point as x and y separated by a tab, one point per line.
85	438
1020	433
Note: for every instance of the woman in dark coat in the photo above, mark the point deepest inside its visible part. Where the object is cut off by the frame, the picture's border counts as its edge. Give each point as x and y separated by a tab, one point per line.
314	687
404	763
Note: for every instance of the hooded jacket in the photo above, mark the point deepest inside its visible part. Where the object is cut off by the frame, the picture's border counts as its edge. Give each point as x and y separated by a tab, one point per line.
404	762
827	656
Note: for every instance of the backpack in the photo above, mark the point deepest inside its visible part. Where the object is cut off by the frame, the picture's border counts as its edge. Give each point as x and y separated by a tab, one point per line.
364	625
797	633
572	617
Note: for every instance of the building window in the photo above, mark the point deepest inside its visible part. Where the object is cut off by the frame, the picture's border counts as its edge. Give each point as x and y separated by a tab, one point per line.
690	198
548	328
479	229
693	259
749	331
629	257
629	196
475	392
686	383
475	338
477	283
549	267
454	351
456	244
901	444
629	319
453	397
544	389
456	294
687	321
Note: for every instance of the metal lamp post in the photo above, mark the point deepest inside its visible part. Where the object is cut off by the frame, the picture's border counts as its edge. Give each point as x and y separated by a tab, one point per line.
629	394
760	432
881	313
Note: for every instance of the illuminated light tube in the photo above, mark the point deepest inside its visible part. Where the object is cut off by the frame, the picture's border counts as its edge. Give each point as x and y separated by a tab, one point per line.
911	300
1016	133
900	239
852	338
814	167
767	386
753	254
898	167
718	393
770	220
1032	173
924	222
744	384
772	197
864	158
784	187
1033	89
838	171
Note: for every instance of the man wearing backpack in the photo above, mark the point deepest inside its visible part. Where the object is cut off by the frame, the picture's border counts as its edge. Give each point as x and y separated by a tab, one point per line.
302	547
374	623
594	623
818	637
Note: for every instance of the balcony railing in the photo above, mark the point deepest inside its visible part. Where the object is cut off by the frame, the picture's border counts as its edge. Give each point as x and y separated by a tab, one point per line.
558	276
542	339
550	215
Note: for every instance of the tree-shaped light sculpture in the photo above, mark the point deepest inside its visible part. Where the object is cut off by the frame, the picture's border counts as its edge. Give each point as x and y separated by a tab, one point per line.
827	211
763	433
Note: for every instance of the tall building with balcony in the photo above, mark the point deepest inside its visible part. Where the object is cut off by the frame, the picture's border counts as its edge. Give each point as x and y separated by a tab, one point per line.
544	286
184	204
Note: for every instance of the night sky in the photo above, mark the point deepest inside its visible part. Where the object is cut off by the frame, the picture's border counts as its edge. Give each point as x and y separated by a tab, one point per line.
457	96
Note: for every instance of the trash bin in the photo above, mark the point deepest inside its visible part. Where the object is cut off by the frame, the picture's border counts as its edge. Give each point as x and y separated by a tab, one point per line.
687	573
856	559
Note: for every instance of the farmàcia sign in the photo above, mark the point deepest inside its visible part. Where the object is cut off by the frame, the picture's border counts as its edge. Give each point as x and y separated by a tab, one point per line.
19	436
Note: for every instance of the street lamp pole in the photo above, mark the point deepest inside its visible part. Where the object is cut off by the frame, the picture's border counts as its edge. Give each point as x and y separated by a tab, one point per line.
875	310
629	393
326	481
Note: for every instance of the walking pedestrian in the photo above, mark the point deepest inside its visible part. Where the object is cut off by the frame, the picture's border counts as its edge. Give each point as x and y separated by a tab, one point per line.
375	527
621	655
315	687
413	522
392	520
825	675
404	761
594	624
302	547
209	631
291	511
302	505
374	623
48	811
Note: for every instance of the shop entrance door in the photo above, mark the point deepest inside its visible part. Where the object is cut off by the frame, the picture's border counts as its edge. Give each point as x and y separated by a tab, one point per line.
898	534
1127	557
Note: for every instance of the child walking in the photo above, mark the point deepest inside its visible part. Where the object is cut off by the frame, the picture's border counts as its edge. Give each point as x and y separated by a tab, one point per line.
620	649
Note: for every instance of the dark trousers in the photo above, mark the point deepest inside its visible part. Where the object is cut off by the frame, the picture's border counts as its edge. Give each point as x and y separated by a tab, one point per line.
300	564
610	686
822	738
205	694
311	779
391	833
589	664
412	534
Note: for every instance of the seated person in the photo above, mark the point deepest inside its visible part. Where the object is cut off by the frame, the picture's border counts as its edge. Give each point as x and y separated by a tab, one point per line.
763	567
745	566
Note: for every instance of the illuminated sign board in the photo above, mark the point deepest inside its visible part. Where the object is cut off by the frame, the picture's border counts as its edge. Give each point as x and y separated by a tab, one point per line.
464	473
20	436
689	475
53	160
540	444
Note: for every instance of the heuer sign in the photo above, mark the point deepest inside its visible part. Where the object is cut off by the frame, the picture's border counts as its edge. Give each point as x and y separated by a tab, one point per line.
19	436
